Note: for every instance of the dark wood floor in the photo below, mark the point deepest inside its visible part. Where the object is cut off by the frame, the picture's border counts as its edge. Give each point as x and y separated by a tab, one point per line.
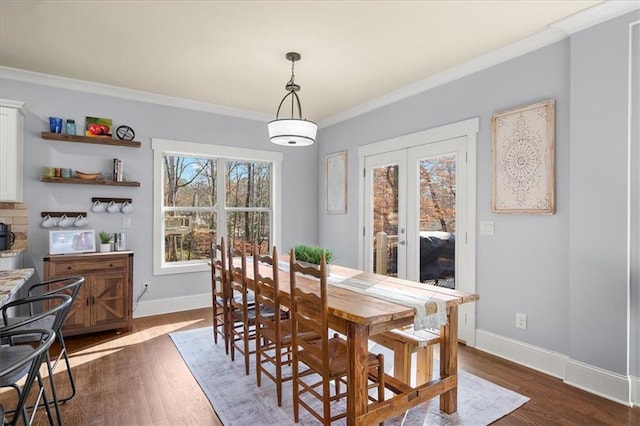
139	378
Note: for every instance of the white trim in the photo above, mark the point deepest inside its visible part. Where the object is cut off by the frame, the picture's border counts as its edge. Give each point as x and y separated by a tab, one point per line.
595	15
613	386
174	304
635	391
539	359
124	93
600	382
182	148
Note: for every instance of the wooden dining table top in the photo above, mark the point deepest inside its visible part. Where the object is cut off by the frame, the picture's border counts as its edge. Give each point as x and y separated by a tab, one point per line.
366	309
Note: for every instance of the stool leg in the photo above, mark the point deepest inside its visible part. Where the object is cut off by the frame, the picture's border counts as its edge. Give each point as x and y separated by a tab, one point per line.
402	362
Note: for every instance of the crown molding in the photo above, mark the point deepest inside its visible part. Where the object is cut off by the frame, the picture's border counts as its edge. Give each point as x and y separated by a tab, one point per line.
596	15
552	34
121	92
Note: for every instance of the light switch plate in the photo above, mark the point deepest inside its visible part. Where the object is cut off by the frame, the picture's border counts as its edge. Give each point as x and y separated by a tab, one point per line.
126	222
486	227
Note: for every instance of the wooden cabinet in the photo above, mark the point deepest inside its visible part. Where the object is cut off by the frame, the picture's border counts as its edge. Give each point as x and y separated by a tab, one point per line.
104	301
11	150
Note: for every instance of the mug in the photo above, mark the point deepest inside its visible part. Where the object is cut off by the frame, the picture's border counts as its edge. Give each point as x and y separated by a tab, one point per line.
55	124
98	207
49	171
48	222
80	221
127	207
112	207
65	222
66	173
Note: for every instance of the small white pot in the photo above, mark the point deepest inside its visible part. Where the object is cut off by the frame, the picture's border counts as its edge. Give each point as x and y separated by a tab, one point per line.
104	248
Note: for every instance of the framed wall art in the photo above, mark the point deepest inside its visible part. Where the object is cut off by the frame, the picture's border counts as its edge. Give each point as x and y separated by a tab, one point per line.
523	160
336	177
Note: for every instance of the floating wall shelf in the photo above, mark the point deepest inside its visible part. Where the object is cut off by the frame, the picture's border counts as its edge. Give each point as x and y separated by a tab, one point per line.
87	139
88	181
58	214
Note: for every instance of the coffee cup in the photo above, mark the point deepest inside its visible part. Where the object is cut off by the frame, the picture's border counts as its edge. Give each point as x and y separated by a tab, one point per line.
65	222
112	207
66	173
127	207
98	207
80	221
48	222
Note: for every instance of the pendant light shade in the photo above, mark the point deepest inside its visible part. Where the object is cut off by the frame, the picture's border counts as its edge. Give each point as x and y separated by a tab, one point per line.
292	131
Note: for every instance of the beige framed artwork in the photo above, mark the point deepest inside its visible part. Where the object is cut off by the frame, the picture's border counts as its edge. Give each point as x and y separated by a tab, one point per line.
336	177
523	160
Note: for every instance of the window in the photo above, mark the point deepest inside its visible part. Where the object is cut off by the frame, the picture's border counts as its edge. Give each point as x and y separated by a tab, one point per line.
206	191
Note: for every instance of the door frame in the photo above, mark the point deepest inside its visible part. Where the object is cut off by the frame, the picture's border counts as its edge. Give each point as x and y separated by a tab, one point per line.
467	128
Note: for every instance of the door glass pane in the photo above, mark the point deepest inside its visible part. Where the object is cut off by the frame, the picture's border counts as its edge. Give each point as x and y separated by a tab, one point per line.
385	220
438	220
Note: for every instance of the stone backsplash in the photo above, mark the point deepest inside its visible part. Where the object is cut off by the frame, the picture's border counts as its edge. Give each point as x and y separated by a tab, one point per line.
15	214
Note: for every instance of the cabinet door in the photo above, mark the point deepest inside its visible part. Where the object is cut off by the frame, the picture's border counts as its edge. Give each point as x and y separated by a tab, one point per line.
78	316
11	153
109	301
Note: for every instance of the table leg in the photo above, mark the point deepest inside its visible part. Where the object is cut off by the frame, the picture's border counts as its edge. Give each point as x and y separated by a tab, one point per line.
357	343
449	359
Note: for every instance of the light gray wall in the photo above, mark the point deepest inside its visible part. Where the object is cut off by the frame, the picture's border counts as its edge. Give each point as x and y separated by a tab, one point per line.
525	261
598	226
567	271
299	173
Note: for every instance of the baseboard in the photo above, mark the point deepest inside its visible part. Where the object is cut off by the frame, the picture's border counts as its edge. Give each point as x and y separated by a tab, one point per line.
174	304
598	381
635	391
609	385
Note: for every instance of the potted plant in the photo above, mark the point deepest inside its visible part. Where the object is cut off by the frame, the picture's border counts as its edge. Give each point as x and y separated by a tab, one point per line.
312	254
105	242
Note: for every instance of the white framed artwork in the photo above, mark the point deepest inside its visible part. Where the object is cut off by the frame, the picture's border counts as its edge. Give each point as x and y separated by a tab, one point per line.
336	178
523	160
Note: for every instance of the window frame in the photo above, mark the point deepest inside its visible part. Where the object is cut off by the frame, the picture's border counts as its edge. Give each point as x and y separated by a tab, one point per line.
162	147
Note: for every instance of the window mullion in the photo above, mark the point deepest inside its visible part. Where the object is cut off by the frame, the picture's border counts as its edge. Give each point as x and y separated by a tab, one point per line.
221	199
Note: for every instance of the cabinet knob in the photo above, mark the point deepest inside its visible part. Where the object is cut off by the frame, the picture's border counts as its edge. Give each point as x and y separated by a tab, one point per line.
69	267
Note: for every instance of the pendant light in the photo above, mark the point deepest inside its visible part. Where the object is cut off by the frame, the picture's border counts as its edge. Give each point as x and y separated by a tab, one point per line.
292	131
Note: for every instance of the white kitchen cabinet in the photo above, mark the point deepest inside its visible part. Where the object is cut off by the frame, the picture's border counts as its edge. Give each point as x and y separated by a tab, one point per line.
11	150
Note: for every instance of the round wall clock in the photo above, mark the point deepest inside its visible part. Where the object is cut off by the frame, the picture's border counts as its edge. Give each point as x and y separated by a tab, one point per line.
125	133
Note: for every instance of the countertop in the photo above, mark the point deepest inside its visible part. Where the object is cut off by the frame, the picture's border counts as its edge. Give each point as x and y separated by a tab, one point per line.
11	253
11	281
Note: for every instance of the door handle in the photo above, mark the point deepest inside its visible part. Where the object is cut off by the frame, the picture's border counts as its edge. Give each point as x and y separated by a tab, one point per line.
402	243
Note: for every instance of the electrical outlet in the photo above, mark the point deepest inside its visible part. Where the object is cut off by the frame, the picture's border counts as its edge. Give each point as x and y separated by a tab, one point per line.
521	321
146	285
126	222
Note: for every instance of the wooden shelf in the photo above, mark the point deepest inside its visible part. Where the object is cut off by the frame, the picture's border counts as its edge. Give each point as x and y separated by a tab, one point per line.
87	139
88	181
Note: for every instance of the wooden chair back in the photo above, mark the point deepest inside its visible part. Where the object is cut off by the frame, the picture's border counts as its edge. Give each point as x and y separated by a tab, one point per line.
267	289
219	291
310	311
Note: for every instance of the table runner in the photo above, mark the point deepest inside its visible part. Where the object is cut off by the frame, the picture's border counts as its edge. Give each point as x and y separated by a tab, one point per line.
431	312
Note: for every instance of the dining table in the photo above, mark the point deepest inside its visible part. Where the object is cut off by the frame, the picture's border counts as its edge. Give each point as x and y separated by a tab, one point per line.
360	314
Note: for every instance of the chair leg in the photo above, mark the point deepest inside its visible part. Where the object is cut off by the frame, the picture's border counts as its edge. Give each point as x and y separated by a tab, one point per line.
65	354
54	394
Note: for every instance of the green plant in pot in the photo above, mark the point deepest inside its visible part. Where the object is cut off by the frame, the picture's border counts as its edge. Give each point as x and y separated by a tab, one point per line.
105	241
312	254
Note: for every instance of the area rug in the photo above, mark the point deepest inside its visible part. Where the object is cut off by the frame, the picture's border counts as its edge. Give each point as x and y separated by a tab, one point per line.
239	402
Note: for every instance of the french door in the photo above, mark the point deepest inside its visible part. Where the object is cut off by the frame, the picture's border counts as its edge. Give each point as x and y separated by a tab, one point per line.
417	216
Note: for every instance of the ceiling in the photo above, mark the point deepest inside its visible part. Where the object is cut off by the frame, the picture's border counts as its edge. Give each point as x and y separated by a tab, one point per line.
232	53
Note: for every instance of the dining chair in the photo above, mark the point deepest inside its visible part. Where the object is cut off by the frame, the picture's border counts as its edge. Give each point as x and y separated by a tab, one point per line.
273	332
241	313
71	287
220	292
327	356
52	316
21	364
